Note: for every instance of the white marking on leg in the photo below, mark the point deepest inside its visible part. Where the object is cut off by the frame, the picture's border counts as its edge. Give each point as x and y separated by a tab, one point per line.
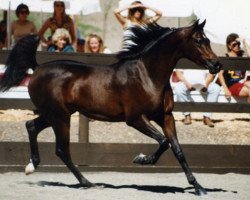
29	169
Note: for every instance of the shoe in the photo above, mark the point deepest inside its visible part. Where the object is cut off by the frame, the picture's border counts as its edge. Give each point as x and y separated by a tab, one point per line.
207	121
187	120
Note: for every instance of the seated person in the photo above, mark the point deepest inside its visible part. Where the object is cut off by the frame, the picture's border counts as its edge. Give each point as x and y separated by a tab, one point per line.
94	44
80	45
58	20
199	80
233	81
61	41
22	26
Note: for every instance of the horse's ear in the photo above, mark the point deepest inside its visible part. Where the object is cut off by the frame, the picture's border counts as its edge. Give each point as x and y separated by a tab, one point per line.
201	26
195	24
193	27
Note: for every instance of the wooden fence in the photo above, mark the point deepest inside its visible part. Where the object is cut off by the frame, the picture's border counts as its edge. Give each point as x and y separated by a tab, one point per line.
106	156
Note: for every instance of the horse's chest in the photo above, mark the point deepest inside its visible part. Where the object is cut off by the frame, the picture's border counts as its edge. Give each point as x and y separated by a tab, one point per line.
148	99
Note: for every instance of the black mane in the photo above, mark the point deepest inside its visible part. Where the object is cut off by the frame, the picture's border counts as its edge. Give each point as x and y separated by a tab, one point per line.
140	39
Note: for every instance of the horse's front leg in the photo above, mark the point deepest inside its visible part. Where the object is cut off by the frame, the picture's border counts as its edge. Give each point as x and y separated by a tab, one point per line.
143	125
170	132
169	129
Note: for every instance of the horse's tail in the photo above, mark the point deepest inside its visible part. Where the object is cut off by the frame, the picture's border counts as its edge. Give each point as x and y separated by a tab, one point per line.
21	58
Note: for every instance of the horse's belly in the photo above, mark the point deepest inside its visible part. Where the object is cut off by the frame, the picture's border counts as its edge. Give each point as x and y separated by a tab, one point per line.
99	109
104	115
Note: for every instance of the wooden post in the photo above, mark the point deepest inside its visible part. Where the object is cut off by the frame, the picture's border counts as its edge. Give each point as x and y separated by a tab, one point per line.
83	129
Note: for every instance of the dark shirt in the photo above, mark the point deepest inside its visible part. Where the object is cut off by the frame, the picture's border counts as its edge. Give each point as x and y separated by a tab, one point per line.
3	37
233	76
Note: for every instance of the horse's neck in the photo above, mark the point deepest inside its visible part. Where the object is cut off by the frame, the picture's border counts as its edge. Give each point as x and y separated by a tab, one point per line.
160	63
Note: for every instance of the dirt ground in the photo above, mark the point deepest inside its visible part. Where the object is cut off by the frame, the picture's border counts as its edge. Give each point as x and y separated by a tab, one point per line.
122	186
229	129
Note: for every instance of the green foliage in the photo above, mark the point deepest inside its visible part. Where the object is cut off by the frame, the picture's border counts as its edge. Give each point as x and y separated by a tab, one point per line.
193	18
85	29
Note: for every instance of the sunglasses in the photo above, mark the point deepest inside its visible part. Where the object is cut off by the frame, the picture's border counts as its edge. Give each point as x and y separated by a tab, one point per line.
236	44
133	10
59	5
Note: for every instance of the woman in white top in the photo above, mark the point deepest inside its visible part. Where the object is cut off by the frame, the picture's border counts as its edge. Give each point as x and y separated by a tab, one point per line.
94	44
136	15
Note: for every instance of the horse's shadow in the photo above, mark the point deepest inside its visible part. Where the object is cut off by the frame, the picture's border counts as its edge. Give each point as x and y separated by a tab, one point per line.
149	188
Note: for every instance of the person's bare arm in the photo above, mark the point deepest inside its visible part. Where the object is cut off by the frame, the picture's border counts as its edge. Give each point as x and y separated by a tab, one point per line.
120	18
247	48
209	79
181	78
42	30
224	85
72	31
158	14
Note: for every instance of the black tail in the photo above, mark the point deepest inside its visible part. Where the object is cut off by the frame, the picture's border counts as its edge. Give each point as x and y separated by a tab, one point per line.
21	58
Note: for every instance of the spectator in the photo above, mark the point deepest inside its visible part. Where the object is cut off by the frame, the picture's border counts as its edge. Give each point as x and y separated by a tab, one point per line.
201	81
22	26
3	34
136	15
80	45
94	44
59	20
233	81
61	41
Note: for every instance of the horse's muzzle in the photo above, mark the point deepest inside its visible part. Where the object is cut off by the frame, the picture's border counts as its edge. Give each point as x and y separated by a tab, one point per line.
213	66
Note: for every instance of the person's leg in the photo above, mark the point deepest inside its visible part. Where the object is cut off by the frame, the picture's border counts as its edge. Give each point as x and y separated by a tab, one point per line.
245	92
213	92
183	95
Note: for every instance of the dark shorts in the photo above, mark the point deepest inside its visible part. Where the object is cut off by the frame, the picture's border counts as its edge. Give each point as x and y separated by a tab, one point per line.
236	88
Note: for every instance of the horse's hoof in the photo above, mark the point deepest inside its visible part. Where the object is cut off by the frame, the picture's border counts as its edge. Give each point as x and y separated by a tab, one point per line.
29	169
200	192
87	184
139	159
143	160
98	186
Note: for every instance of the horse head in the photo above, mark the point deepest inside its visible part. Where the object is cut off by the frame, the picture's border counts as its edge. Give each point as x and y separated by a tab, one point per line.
196	47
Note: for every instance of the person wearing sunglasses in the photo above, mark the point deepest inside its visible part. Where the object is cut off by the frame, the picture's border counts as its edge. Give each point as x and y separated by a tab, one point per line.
136	15
234	81
22	26
59	20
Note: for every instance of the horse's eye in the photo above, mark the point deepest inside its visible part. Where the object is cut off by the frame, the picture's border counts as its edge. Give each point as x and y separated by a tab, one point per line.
199	41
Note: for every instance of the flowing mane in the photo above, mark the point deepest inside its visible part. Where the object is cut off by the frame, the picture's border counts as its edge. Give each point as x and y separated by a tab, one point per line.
140	39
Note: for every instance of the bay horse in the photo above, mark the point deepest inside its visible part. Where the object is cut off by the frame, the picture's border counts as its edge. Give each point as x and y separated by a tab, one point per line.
135	89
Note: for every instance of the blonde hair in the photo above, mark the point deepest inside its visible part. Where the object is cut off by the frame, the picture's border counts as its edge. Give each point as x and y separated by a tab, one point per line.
59	33
87	46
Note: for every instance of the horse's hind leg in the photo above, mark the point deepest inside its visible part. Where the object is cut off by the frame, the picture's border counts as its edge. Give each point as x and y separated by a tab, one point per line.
143	125
61	128
170	132
34	127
